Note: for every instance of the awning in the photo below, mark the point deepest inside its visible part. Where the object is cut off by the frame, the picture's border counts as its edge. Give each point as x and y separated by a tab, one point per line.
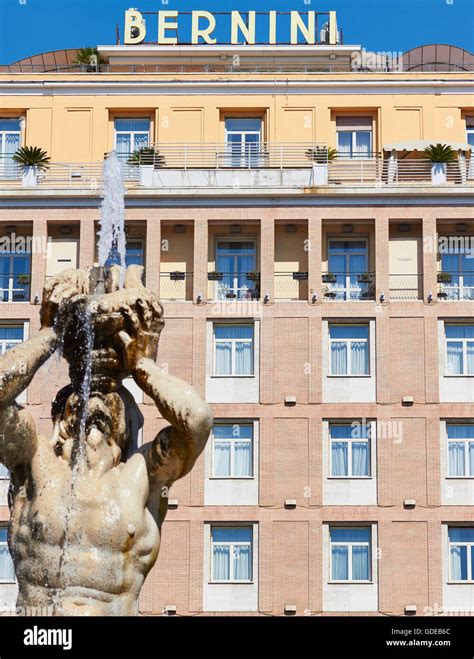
420	145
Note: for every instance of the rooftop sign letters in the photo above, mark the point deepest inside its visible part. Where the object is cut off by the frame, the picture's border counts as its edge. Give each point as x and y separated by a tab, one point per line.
205	26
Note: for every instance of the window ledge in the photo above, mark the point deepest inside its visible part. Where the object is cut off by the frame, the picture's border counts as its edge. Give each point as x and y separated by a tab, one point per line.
460	583
231	478
459	478
229	377
459	375
333	375
350	583
350	478
230	583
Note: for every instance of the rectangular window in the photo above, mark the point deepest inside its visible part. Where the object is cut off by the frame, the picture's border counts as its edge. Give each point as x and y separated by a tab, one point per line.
349	450
354	137
236	259
7	571
233	350
458	263
231	550
459	349
10	138
243	140
232	450
134	254
460	450
348	264
349	349
15	276
4	473
131	135
461	554
10	336
350	553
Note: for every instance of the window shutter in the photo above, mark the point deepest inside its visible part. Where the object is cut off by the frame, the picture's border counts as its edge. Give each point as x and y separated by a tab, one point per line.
354	123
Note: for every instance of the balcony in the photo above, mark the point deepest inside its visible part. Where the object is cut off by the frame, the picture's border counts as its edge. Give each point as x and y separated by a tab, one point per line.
343	286
230	286
455	286
176	286
15	288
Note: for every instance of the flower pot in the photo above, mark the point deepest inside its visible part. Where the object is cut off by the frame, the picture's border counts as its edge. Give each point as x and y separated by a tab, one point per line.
215	276
300	276
439	173
177	276
320	173
444	278
29	177
329	278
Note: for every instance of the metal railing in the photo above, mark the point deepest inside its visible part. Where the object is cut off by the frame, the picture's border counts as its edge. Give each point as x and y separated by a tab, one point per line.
15	288
86	176
291	286
418	170
231	286
348	286
406	287
220	155
456	285
176	286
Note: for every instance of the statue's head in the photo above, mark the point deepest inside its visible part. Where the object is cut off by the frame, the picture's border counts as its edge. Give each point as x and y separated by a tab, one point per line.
97	320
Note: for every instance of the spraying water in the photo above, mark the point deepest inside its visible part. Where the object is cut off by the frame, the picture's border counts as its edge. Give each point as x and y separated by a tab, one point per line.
112	214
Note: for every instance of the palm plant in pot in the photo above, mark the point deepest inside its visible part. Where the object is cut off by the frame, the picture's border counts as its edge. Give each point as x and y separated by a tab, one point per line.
89	59
147	155
439	156
321	156
32	160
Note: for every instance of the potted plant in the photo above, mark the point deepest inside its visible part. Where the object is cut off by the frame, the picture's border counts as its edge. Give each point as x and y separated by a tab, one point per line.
147	156
321	156
177	275
253	276
439	156
300	276
328	293
329	278
89	59
23	279
32	160
444	278
364	278
215	276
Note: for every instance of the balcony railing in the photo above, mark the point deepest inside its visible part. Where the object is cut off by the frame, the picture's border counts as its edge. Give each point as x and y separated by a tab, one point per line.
291	286
15	288
456	285
231	286
176	286
348	286
218	165
406	287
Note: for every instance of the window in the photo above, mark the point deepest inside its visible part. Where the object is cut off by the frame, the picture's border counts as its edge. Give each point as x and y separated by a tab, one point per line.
233	350
461	554
350	554
354	137
348	263
131	135
10	137
349	450
232	450
235	259
459	264
349	348
10	336
470	131
460	450
4	473
243	138
459	349
231	554
15	275
7	571
133	254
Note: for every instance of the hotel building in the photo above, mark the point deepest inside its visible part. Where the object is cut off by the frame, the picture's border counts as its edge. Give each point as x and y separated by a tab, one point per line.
321	302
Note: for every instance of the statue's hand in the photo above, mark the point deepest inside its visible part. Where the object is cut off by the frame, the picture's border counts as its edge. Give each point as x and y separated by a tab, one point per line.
143	323
60	289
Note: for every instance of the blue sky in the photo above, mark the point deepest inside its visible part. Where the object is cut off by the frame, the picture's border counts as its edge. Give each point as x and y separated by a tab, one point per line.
387	25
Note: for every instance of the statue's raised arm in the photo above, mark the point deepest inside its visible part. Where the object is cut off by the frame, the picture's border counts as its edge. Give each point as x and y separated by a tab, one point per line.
19	365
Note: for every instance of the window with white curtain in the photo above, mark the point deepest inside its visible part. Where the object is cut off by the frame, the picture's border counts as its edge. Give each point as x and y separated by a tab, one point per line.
10	336
10	138
349	349
354	137
459	349
347	262
232	450
460	450
233	350
131	135
349	450
231	554
7	571
461	554
350	553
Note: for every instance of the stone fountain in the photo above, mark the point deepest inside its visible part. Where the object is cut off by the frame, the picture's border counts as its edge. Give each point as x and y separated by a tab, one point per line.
88	503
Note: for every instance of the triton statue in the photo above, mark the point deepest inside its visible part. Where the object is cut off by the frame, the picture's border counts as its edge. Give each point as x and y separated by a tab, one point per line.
88	503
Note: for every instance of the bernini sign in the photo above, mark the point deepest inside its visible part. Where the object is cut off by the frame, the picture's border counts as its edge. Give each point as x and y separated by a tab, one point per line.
243	26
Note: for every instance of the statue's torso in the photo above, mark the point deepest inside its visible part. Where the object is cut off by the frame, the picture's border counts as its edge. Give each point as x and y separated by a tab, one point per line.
89	537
